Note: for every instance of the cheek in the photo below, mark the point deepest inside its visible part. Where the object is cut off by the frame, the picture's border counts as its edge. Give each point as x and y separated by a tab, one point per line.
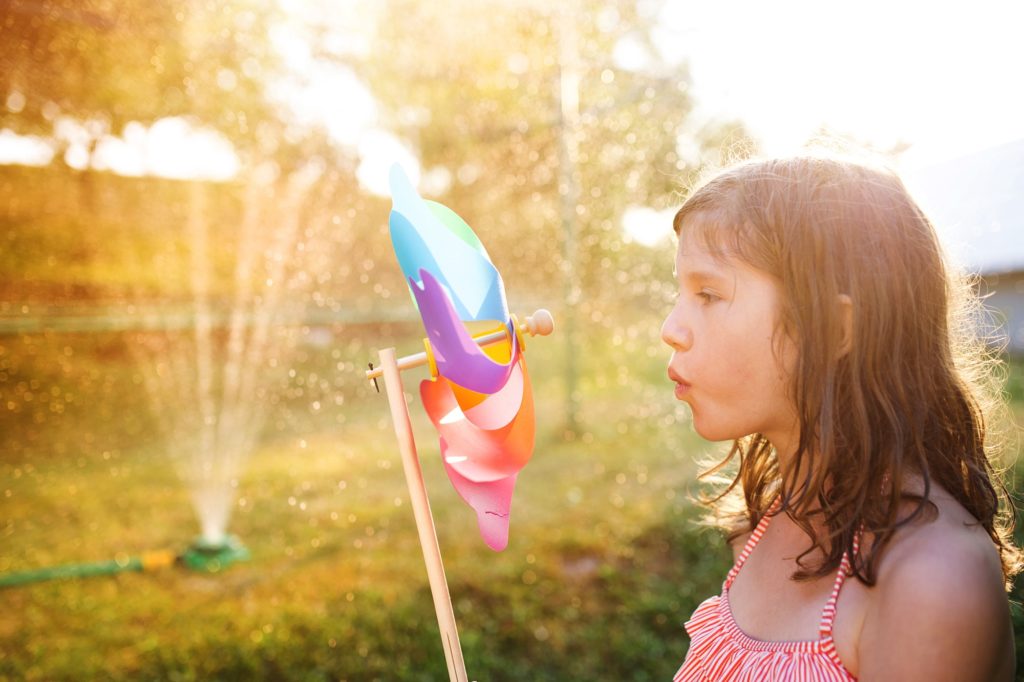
750	352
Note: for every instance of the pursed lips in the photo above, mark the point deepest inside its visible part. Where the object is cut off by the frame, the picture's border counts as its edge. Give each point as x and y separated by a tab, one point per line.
682	386
675	378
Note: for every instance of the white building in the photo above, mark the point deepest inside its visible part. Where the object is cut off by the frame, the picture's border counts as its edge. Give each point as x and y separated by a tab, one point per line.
977	204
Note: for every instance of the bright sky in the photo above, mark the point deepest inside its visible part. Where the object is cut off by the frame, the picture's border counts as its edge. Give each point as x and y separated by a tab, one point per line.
944	77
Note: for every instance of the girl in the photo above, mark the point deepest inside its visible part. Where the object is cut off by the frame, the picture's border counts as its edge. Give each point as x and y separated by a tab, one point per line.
819	330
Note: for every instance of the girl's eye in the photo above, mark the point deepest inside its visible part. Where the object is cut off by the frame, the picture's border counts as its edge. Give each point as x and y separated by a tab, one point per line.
707	296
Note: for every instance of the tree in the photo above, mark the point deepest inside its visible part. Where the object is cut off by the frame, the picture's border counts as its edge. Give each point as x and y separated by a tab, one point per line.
106	63
543	135
477	91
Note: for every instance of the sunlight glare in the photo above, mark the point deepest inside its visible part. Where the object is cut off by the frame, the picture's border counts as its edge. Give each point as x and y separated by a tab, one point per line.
647	226
378	150
170	148
25	150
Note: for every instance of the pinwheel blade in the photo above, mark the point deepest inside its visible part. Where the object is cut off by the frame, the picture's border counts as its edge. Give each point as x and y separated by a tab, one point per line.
429	236
474	450
481	401
490	500
458	357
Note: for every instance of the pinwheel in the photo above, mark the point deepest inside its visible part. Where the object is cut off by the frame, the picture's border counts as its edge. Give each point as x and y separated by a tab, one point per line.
478	396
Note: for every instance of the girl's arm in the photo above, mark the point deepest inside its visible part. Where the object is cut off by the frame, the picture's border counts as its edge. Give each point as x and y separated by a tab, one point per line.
939	613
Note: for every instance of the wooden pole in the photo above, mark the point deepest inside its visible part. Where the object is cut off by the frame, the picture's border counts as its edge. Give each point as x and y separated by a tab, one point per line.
424	519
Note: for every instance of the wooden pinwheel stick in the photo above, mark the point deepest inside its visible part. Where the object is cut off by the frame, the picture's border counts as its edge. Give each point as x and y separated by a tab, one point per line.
424	519
538	324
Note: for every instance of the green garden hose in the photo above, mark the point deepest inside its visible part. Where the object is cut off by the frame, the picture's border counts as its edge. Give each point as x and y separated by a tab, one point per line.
147	562
201	556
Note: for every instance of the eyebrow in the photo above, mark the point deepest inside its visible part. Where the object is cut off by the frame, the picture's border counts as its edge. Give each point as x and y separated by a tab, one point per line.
703	275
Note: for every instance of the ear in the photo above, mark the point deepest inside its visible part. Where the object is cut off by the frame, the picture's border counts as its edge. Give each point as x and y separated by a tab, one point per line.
846	322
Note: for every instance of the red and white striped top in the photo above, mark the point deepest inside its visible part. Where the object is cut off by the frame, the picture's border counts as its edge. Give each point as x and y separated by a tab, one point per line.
721	652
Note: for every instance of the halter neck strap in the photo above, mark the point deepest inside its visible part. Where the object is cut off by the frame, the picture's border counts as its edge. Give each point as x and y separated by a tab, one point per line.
752	541
828	614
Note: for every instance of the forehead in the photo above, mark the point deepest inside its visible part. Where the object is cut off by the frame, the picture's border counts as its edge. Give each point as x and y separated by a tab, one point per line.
696	254
717	230
711	251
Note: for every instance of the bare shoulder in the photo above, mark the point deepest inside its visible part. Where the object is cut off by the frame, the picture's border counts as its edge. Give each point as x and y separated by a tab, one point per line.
939	611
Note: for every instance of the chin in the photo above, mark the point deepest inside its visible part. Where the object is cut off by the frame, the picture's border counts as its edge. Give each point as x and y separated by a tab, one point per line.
715	437
715	432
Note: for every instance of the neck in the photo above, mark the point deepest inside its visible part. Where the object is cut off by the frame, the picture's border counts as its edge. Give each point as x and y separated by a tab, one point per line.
785	451
785	445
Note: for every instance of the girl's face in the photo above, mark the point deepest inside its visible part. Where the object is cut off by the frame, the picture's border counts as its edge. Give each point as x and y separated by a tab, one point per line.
724	364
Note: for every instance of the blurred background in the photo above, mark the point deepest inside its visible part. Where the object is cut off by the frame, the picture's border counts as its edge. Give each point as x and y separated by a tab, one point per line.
195	270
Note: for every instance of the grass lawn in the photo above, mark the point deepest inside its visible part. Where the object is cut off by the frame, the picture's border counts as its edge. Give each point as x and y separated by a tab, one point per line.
602	568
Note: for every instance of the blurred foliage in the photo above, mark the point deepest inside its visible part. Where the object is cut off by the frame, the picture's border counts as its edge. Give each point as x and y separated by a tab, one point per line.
536	126
484	116
106	63
113	239
1015	486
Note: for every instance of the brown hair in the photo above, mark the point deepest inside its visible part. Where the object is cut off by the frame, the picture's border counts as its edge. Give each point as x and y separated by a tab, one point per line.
914	390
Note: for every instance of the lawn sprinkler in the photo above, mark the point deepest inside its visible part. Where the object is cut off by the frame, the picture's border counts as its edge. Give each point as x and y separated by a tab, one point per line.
211	557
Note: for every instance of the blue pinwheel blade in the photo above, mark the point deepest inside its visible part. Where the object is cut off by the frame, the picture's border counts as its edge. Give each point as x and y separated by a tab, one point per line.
434	238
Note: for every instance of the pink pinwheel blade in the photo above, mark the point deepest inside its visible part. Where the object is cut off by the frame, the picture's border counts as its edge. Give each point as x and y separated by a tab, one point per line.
477	453
491	500
499	409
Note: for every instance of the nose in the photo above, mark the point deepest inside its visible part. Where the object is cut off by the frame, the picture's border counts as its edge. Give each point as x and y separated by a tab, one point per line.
676	334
